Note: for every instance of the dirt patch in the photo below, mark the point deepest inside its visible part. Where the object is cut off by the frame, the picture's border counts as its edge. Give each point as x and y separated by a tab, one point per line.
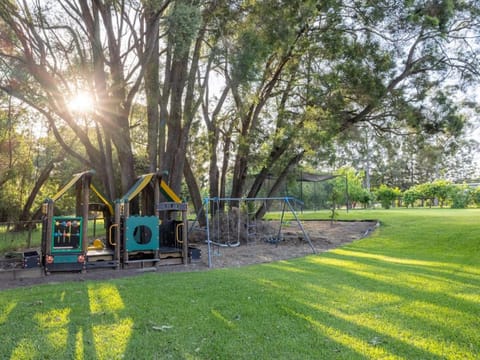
265	246
292	243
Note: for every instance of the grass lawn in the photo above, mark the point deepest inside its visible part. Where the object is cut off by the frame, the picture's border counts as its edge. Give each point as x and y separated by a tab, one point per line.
410	291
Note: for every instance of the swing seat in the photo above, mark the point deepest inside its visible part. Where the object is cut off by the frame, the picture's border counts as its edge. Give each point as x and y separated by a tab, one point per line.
273	240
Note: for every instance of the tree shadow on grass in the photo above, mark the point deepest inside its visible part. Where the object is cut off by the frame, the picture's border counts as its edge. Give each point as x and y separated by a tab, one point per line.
408	308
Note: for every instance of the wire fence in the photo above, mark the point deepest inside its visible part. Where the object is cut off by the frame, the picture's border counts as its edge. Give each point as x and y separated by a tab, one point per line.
15	235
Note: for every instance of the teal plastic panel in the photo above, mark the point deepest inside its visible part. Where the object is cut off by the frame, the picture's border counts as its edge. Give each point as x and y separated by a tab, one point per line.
66	234
142	233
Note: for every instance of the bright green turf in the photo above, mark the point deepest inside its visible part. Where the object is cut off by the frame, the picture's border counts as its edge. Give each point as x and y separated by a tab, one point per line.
410	291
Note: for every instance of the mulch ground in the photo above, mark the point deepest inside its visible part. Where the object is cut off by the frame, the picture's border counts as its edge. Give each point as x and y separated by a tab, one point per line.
262	248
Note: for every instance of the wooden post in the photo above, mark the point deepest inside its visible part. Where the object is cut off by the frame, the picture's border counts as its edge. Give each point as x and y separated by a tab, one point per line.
185	234
156	196
117	234
79	197
126	214
48	233
156	201
85	200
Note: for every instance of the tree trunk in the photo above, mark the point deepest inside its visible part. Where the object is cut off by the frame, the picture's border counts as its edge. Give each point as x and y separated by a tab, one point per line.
216	188
194	191
275	155
44	175
183	103
152	88
175	154
280	181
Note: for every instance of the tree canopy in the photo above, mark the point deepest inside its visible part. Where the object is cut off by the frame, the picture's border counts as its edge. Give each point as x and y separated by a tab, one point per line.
222	94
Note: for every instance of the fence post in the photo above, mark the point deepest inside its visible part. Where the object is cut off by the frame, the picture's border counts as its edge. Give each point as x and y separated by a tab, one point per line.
29	235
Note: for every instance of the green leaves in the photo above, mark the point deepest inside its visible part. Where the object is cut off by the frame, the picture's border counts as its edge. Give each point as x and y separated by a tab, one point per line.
249	54
387	195
183	23
435	14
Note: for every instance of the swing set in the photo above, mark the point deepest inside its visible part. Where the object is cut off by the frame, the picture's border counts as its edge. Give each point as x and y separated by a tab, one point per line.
231	222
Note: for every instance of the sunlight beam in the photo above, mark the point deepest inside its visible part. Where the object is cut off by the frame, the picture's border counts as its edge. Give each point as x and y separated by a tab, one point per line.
82	102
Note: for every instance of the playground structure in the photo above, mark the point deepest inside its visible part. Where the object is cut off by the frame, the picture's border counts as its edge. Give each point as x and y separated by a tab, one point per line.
149	229
231	222
139	228
65	238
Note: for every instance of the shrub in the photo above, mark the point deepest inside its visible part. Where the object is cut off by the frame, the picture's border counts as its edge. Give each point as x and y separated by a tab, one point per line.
410	196
386	195
475	196
461	197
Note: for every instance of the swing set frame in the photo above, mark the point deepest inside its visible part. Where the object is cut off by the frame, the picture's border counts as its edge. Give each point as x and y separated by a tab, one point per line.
214	203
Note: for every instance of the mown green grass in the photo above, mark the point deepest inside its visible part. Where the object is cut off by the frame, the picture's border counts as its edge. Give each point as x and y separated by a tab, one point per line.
410	291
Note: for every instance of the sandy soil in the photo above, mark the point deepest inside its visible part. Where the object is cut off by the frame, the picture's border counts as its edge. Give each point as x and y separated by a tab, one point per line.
264	247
